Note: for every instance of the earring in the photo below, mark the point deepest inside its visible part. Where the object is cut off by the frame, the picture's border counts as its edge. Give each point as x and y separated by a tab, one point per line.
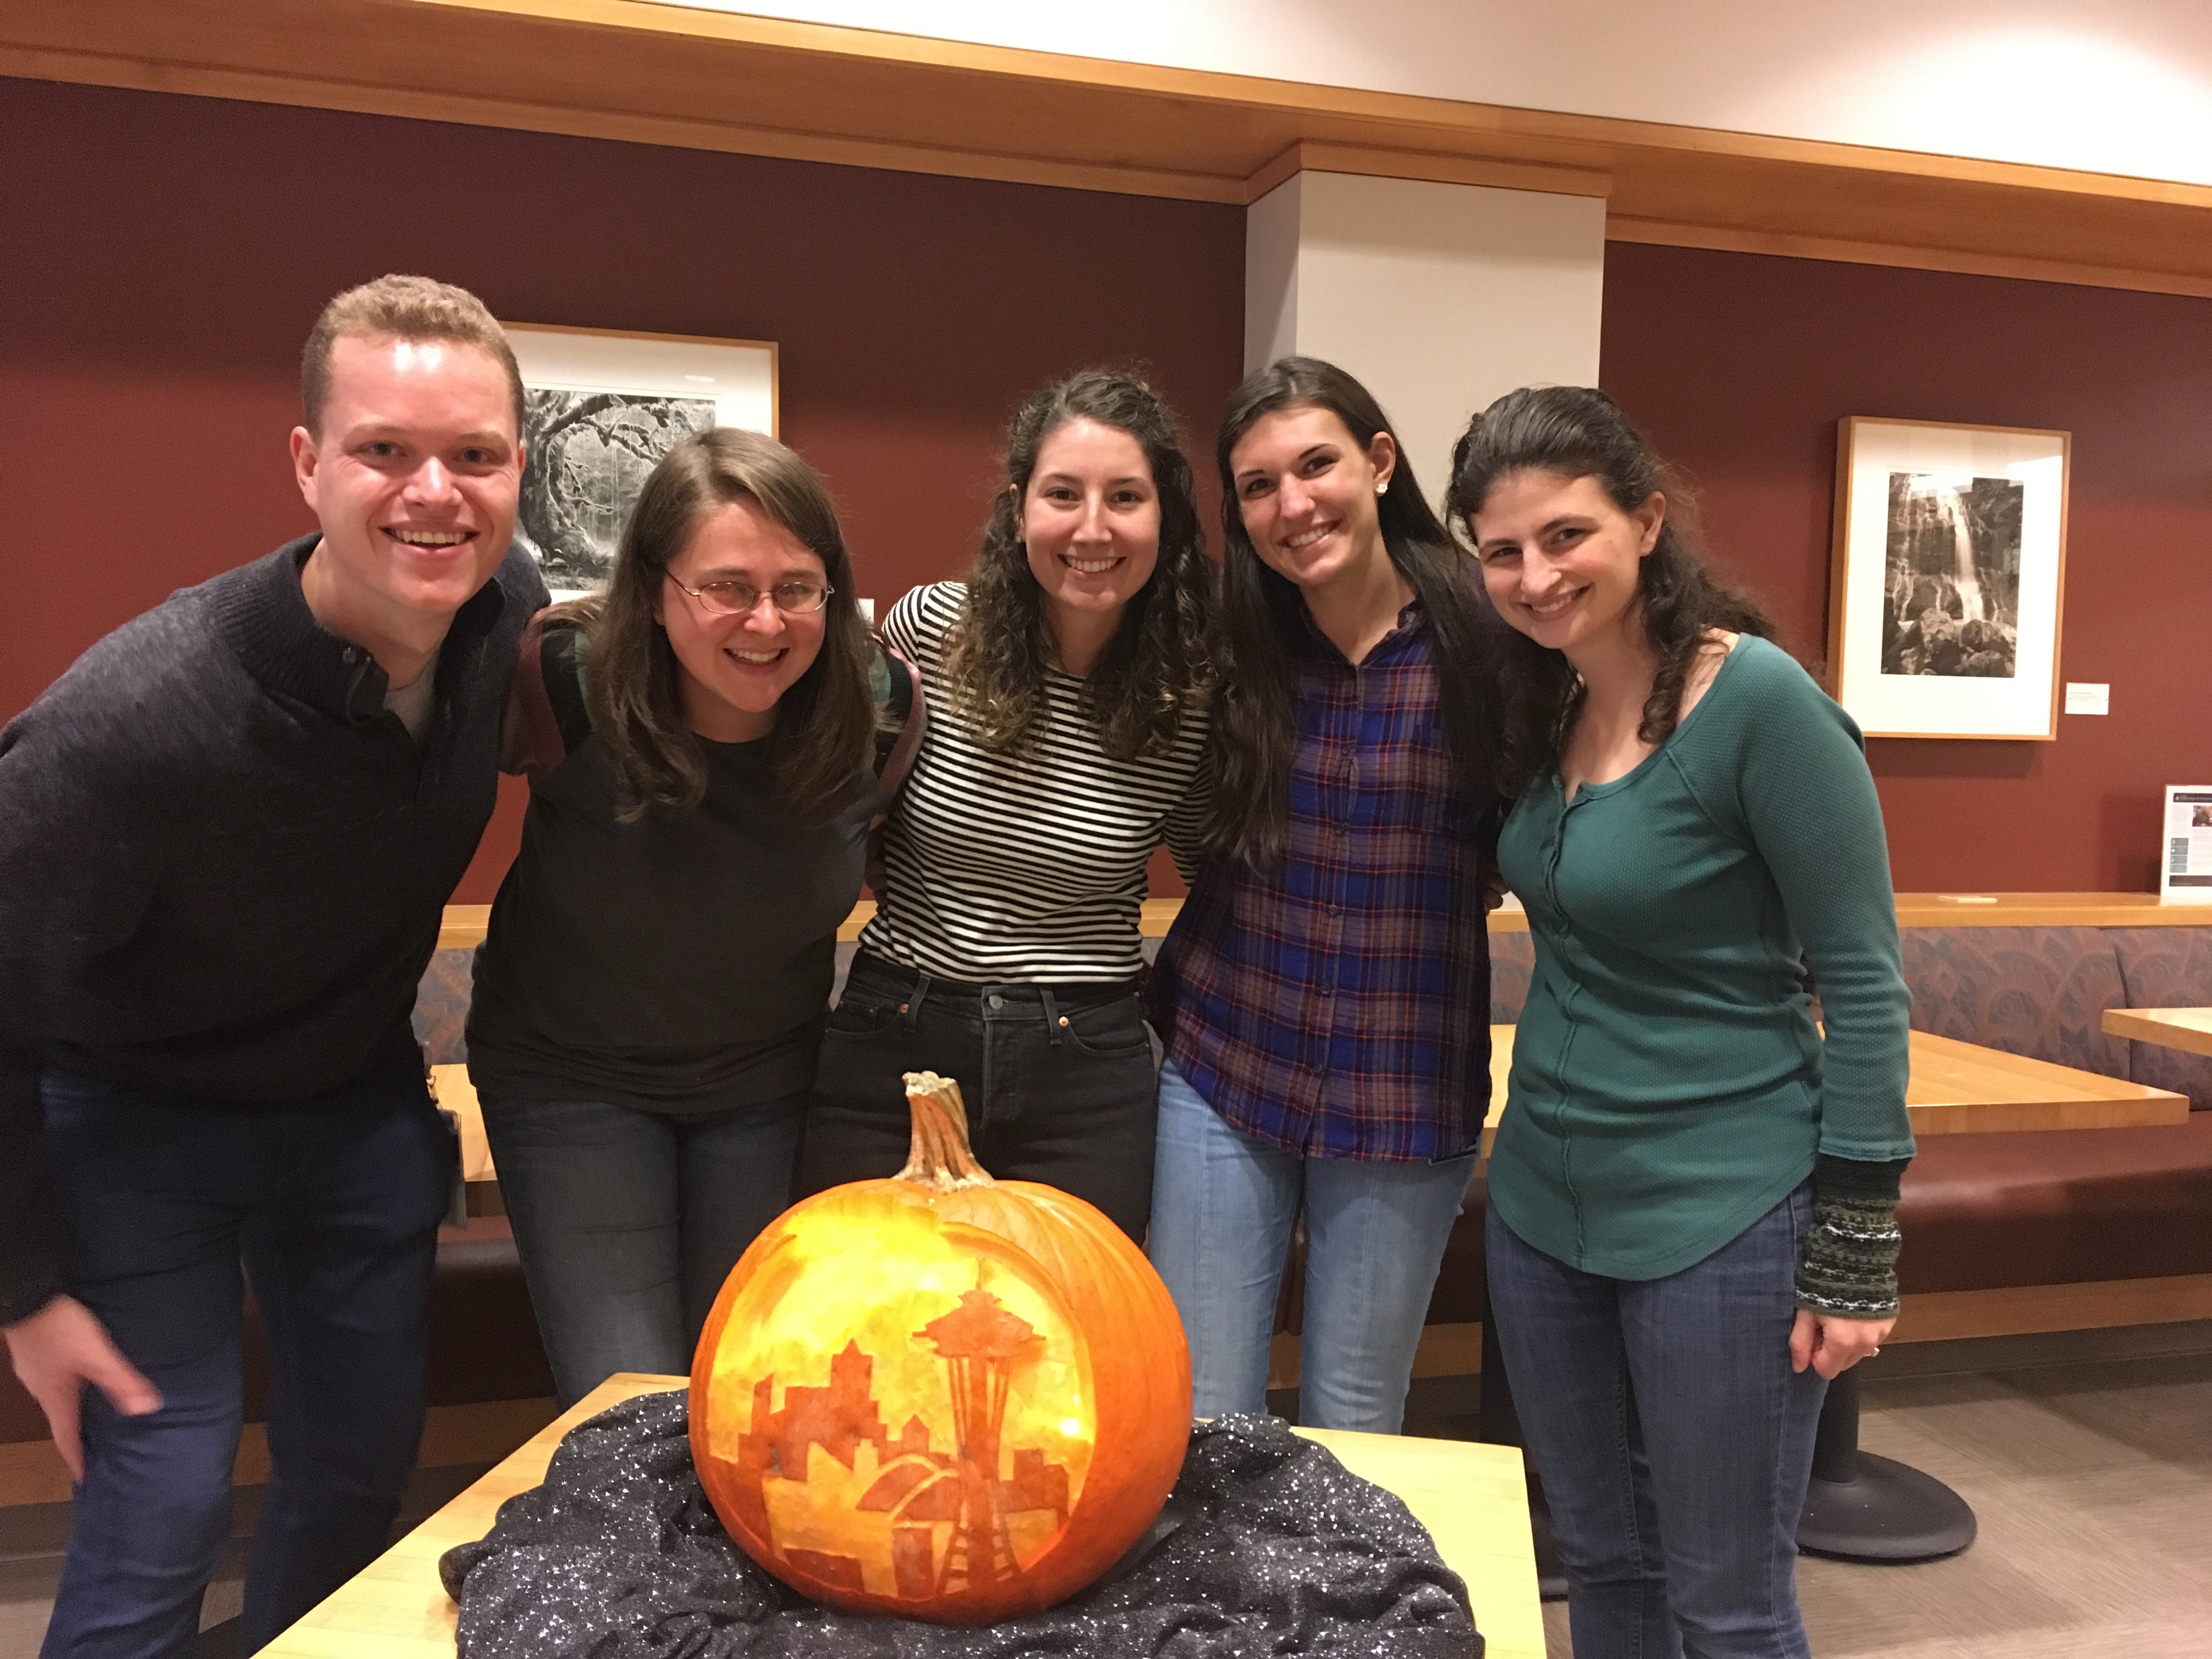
1383	488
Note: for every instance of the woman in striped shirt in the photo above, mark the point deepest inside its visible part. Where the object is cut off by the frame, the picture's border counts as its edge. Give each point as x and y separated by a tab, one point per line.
1068	681
1324	994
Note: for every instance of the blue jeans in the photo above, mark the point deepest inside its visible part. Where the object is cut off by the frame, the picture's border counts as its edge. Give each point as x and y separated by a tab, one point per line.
627	1221
332	1206
1224	1205
1673	1440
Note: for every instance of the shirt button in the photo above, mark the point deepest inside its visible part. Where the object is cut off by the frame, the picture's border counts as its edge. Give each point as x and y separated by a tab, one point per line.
1336	909
350	656
995	1000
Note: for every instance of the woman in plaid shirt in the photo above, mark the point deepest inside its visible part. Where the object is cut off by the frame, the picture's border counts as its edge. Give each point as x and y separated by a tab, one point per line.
1324	994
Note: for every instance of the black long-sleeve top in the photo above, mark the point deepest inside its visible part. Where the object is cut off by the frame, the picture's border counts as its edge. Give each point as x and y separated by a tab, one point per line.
223	862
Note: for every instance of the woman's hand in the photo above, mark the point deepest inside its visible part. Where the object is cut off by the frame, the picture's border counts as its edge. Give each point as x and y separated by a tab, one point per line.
1831	1344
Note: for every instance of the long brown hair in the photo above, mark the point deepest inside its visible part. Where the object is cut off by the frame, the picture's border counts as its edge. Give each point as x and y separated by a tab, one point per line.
824	724
1579	432
1254	725
1159	661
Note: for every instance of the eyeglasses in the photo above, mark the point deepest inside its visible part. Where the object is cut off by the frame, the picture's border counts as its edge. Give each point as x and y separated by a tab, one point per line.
739	599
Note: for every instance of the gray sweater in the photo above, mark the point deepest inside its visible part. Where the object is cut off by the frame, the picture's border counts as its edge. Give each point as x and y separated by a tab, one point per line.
222	863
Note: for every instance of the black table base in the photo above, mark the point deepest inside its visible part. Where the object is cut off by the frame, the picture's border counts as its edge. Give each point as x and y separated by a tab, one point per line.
1858	1507
1861	1507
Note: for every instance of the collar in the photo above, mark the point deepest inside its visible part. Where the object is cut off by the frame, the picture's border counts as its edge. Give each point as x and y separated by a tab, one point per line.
1412	616
264	617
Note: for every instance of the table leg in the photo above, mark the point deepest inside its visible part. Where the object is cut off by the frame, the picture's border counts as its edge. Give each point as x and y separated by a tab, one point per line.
1861	1507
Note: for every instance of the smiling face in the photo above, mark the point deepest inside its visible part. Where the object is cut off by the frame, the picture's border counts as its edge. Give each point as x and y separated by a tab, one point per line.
1090	521
413	476
735	669
1306	490
1560	559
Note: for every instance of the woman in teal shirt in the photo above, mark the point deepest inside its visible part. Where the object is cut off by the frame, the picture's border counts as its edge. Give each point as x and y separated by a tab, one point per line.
1693	1196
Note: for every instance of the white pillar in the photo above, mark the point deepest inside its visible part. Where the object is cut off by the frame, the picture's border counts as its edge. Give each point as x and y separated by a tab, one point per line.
1439	297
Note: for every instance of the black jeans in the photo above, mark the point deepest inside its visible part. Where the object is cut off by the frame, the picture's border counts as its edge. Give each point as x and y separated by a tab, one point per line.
1059	1080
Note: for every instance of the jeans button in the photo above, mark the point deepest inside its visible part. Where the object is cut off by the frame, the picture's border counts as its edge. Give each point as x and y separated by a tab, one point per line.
996	1000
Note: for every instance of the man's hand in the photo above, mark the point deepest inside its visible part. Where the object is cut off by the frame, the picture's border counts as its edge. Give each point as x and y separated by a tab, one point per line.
1831	1344
59	1350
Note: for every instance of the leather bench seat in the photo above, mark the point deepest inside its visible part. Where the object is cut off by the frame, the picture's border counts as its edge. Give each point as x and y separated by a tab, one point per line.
2064	1206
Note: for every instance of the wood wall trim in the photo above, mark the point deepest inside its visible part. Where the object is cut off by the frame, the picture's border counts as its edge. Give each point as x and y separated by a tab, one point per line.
31	1471
646	72
1621	228
2020	1310
1435	168
1927	1316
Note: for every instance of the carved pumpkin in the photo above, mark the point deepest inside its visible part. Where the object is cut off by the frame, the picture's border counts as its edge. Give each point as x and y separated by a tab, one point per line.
940	1396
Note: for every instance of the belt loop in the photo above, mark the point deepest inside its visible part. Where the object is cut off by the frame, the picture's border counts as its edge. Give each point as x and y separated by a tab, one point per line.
910	1010
1055	1022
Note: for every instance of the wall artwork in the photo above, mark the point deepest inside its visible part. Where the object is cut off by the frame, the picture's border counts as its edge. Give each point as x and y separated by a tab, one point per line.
1950	557
600	407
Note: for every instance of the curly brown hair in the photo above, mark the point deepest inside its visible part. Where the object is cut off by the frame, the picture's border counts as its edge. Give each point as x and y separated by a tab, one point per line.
1160	660
825	724
1579	432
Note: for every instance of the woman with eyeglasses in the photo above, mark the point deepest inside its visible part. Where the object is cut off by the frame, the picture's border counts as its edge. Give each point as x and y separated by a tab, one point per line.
1067	680
707	744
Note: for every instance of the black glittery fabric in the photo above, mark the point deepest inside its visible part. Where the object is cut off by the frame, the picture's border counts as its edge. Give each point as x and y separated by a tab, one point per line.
1268	1545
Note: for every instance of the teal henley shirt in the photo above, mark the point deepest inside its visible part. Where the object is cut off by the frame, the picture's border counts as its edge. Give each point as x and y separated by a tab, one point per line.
1669	1083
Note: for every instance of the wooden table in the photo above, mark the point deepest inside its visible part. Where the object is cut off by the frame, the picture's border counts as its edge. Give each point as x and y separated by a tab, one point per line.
1962	1088
1471	1496
1954	1087
2170	1028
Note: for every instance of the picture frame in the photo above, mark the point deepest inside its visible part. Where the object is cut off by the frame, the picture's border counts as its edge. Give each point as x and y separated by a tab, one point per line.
2184	872
1947	587
600	407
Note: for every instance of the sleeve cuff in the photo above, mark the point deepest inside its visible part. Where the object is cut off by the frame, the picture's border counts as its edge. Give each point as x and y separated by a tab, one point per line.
1848	1266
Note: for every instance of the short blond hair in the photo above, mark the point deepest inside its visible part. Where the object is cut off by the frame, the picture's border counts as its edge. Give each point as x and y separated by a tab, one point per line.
403	308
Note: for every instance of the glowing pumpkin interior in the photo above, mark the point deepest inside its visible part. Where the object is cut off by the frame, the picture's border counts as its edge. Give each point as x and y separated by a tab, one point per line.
938	1395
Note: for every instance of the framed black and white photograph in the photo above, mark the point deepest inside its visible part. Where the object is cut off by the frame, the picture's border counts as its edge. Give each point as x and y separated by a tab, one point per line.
600	407
1950	560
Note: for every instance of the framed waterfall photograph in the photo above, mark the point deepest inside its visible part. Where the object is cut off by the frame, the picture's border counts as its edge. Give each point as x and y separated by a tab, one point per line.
1946	595
599	408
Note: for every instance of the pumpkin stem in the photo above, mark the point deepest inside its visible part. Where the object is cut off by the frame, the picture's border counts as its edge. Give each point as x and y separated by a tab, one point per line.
940	1157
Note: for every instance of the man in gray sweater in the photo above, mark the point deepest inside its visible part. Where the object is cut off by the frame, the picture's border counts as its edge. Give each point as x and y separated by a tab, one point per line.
226	834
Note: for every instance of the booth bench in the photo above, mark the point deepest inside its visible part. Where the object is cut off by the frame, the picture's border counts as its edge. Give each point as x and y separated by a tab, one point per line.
2005	1233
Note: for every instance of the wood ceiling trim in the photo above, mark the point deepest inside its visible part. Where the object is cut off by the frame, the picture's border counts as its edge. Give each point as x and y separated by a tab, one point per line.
1621	228
1430	167
667	74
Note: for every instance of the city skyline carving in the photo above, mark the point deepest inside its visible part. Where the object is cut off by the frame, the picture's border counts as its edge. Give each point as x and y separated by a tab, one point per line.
840	1497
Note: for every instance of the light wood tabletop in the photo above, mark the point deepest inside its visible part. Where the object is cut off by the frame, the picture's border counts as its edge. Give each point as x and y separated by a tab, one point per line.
2172	1028
1470	1496
1954	1087
1962	1088
465	924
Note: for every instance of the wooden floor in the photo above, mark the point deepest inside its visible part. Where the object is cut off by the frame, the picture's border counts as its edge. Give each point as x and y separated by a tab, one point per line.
2087	1456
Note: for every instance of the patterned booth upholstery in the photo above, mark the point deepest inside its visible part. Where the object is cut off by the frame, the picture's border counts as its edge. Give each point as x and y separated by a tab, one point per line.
1981	1212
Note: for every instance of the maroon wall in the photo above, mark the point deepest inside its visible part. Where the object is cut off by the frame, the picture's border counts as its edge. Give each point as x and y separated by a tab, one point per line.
165	257
1740	364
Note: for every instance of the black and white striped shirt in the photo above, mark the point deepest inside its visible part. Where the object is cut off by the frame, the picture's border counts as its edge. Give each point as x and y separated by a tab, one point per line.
1028	866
